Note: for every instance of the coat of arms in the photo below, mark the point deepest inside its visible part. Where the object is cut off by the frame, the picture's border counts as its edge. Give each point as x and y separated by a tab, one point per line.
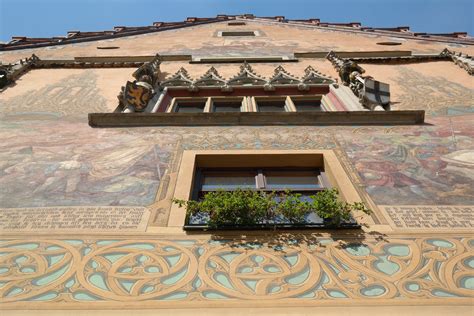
137	95
375	93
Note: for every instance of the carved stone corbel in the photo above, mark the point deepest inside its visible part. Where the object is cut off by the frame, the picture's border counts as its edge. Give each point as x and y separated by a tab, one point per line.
11	72
462	60
372	94
136	95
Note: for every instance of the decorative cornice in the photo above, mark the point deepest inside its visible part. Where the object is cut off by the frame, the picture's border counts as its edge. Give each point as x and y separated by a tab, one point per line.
11	72
73	37
462	60
23	42
400	59
356	27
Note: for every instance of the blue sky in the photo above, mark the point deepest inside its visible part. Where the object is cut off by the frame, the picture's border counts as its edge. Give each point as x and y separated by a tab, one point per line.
45	18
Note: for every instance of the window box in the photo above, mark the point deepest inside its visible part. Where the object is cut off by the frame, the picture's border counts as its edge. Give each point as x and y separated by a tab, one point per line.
200	220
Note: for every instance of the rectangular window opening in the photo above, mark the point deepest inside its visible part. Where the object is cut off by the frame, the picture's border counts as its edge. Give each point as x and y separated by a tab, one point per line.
268	179
226	105
271	105
238	33
190	106
313	105
305	181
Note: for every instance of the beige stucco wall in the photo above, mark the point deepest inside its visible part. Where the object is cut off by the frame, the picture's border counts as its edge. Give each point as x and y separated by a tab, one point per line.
430	86
201	40
70	92
50	157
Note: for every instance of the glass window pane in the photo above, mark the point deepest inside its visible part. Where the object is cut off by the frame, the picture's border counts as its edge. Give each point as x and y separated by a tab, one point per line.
190	107
228	181
271	106
227	106
307	105
292	180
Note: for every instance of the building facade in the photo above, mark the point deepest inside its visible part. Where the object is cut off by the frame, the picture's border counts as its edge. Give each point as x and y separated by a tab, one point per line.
102	130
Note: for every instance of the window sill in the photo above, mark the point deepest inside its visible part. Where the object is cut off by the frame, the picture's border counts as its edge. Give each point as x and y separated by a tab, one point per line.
257	118
200	227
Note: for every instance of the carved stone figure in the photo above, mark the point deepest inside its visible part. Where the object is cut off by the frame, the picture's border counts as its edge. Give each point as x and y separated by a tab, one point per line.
136	95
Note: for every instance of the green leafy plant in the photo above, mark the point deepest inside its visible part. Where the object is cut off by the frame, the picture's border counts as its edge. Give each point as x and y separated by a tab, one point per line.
247	208
240	207
292	207
327	205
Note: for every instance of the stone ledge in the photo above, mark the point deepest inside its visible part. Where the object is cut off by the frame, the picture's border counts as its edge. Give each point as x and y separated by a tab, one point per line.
257	118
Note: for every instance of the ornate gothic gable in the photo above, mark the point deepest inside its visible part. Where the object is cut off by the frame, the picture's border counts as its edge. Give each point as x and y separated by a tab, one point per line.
210	78
246	76
180	78
312	76
281	76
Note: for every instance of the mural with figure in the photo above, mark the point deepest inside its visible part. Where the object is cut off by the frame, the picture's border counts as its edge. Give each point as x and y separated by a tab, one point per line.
84	166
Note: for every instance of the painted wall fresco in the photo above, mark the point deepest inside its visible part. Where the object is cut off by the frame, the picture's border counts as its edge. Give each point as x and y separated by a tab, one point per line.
49	156
78	165
417	165
64	163
439	88
72	96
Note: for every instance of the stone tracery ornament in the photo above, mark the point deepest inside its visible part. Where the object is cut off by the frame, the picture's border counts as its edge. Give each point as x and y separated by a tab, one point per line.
180	78
246	76
210	78
312	76
281	76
